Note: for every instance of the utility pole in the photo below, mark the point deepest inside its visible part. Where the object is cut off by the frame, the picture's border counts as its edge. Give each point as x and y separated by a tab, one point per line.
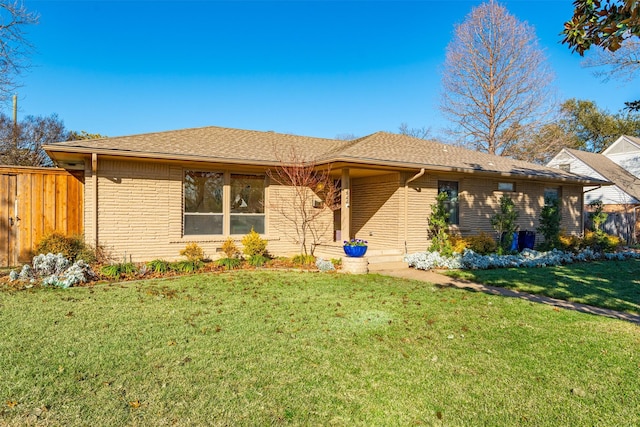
15	121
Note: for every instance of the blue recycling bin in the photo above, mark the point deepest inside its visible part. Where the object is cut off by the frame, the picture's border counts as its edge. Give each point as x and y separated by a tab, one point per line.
526	240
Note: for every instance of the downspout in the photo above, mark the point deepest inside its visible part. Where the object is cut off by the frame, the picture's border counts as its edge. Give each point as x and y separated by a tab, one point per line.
406	206
94	197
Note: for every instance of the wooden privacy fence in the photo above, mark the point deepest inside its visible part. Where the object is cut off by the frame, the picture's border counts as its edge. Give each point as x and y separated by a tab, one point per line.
35	202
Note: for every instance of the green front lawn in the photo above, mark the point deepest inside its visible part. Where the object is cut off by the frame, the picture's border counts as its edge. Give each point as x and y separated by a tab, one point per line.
606	284
263	348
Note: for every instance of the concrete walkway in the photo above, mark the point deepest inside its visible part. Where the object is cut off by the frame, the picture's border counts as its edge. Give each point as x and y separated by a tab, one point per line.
446	281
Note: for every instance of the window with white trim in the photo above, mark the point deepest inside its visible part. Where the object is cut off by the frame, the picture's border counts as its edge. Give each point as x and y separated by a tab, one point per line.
203	203
247	203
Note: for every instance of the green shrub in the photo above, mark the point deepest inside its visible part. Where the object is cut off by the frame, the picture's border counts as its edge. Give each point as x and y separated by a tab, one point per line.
438	226
230	249
336	261
257	260
229	263
550	223
504	222
115	271
159	266
253	244
303	259
482	243
570	242
188	266
69	246
598	216
193	252
601	241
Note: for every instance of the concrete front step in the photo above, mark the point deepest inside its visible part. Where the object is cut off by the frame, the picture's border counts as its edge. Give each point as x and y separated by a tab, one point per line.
382	266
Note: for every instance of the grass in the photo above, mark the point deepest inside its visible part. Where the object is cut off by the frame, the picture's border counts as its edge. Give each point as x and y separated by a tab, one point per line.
292	348
606	284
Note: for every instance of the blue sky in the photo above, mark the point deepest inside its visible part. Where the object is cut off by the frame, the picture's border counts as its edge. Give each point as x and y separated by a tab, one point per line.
317	68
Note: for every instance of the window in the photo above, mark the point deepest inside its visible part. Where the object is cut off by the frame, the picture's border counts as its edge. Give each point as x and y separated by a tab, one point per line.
247	203
451	204
205	213
506	186
203	203
551	194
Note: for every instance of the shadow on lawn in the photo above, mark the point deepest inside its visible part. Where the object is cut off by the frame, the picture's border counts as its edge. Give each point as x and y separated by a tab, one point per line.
577	282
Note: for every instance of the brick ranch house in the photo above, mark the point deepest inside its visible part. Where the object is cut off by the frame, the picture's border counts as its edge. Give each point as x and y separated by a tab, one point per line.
140	203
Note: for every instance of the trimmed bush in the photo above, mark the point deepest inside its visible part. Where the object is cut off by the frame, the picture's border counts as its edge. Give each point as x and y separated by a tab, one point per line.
253	244
193	252
481	243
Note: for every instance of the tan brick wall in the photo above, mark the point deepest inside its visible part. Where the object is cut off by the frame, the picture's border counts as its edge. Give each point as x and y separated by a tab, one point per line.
140	212
375	210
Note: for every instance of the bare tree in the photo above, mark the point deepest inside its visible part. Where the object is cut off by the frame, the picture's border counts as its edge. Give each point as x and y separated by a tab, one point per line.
496	82
420	133
14	47
346	136
21	143
312	195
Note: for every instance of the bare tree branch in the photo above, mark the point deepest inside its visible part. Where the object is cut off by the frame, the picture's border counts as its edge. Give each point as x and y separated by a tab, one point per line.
420	133
308	194
14	47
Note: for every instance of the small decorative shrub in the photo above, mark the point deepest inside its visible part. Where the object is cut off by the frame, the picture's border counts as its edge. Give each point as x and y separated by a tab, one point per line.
230	249
324	265
188	266
601	242
598	216
193	252
72	247
569	242
229	263
481	243
458	244
115	271
337	262
550	223
304	260
504	222
159	266
438	226
253	244
54	270
257	260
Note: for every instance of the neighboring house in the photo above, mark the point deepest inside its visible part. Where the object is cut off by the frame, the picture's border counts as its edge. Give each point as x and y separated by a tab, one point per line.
147	195
619	164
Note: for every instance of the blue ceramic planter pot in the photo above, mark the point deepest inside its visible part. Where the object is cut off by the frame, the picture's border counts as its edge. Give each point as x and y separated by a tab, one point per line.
355	251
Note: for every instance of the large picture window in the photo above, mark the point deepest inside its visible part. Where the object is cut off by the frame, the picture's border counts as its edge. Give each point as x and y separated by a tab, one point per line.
247	203
203	203
451	204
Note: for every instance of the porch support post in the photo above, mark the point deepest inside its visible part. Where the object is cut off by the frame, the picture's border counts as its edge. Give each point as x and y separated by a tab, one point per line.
345	205
94	198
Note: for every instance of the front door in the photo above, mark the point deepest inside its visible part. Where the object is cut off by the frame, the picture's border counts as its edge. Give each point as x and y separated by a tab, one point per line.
8	221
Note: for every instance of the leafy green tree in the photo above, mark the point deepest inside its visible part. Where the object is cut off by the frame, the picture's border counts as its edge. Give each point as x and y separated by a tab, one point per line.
504	222
595	128
439	225
550	219
601	23
581	125
496	81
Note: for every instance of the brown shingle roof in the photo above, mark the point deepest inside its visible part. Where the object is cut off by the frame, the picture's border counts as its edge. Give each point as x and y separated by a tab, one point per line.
613	172
216	144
